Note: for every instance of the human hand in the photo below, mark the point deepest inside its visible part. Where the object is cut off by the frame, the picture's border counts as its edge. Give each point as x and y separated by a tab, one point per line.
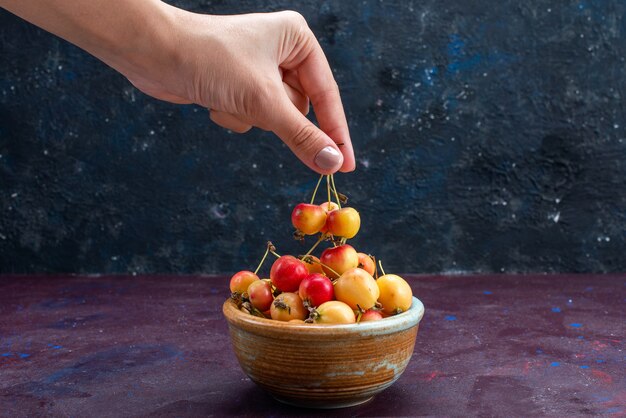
249	70
258	70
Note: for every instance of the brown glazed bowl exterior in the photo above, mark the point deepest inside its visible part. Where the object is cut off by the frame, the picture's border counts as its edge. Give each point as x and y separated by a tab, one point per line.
323	366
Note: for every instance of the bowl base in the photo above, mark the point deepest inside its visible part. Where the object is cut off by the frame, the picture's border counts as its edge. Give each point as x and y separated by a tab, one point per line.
321	404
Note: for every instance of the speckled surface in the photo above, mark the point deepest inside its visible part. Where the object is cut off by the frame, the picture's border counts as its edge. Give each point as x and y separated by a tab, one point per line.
489	138
159	346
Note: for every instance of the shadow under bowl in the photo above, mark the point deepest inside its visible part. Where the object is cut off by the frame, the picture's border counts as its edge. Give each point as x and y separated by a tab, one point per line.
323	366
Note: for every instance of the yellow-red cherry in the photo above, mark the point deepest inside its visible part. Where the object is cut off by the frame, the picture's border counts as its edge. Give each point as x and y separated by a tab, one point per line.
367	263
328	207
308	219
343	222
357	288
396	295
340	259
260	294
333	312
288	306
241	280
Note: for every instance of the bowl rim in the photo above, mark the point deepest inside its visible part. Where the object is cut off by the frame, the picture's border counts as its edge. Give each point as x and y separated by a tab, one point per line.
392	324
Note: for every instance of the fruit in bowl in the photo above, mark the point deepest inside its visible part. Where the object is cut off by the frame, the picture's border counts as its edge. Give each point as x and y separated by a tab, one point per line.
319	365
323	331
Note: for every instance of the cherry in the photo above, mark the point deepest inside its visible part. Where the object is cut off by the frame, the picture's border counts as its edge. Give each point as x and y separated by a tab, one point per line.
343	222
367	263
332	312
308	219
260	294
339	259
316	289
357	288
371	315
328	207
288	306
241	280
396	295
328	289
287	272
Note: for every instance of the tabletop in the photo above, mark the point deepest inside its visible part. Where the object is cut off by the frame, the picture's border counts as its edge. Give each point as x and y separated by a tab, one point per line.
501	345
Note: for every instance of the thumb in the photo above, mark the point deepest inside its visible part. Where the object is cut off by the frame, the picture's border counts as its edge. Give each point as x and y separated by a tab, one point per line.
312	146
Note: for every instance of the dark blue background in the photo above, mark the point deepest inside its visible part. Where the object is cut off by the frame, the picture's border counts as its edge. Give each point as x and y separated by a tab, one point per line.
489	138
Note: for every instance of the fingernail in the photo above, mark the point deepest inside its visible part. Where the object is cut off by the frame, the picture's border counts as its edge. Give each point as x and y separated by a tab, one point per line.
328	158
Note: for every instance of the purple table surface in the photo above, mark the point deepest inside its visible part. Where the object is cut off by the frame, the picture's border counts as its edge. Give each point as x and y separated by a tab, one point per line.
159	346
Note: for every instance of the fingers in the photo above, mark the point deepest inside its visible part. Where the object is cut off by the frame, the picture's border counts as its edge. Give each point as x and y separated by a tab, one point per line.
228	121
292	86
319	85
291	78
293	90
299	100
316	149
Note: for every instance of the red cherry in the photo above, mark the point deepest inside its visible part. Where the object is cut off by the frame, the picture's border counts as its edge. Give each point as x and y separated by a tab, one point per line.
316	289
287	272
340	259
308	218
371	315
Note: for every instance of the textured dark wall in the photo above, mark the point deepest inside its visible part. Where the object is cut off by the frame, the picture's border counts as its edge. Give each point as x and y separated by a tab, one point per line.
489	137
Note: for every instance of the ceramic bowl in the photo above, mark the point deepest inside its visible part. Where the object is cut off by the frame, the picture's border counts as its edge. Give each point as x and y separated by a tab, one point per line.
323	366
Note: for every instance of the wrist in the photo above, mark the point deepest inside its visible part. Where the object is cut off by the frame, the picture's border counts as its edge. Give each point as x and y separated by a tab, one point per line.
143	39
148	45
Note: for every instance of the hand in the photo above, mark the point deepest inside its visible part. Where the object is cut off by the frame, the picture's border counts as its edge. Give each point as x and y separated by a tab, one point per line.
259	70
248	70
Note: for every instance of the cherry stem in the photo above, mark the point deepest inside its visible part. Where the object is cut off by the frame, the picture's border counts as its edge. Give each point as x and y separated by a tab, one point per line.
316	187
328	189
267	250
332	179
380	263
271	249
315	245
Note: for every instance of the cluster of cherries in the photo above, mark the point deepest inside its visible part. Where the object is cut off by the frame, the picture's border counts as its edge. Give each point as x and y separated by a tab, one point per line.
341	286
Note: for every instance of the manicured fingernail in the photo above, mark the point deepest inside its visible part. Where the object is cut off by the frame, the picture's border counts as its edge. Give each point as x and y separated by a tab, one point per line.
328	158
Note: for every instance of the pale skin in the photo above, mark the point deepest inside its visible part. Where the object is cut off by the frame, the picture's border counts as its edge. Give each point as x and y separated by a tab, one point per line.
254	70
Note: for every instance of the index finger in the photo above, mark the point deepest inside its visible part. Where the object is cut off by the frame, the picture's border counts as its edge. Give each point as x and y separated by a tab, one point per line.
319	84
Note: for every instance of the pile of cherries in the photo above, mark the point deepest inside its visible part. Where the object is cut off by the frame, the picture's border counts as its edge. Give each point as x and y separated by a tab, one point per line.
342	286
